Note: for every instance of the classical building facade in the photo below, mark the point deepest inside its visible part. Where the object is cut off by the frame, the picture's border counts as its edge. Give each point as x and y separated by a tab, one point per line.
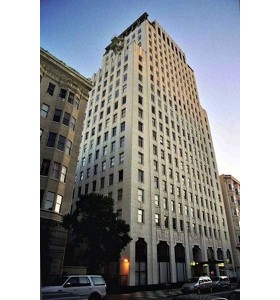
147	144
63	99
231	196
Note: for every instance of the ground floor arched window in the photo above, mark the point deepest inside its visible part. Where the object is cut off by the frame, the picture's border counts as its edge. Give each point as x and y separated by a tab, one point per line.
163	259
180	262
140	262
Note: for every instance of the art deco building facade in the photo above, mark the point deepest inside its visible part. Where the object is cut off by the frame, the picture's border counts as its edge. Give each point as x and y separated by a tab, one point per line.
63	99
231	195
147	144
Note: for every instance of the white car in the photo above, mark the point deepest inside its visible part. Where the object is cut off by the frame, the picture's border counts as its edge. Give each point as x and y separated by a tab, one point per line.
197	285
91	286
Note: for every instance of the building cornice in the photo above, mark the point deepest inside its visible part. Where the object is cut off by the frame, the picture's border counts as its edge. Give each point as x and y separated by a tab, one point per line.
69	76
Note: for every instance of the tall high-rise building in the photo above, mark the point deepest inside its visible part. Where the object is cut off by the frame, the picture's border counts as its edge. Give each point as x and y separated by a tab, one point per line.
147	144
63	100
231	196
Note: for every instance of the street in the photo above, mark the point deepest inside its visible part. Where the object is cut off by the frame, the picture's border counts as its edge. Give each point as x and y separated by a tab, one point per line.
173	294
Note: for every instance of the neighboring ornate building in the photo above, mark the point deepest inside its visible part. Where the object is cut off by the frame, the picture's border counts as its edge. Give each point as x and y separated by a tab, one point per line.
147	144
231	195
63	100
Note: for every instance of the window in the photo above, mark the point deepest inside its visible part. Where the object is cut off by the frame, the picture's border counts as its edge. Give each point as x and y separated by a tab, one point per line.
105	150
157	219
49	201
140	126
122	141
174	223
140	216
120	175
156	182
62	93
112	161
50	89
71	98
157	200
72	123
45	167
172	205
63	174
140	176
44	110
111	179
121	158
57	115
140	195
58	203
51	139
114	131
120	194
166	222
94	185
122	126
103	166
113	146
180	209
102	182
155	165
165	203
68	147
140	142
140	158
61	142
55	170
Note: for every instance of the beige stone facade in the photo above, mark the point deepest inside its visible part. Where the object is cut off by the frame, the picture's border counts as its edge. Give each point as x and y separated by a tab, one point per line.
231	196
147	144
63	100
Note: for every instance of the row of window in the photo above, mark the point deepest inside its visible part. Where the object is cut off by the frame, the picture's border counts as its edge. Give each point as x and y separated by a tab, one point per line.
67	119
194	228
112	163
64	94
208	205
53	169
60	142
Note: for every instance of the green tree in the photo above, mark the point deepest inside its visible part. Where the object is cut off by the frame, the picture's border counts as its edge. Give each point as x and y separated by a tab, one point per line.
97	232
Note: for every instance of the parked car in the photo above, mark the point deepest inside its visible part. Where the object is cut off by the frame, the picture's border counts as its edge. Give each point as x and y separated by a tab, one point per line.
91	286
220	282
197	285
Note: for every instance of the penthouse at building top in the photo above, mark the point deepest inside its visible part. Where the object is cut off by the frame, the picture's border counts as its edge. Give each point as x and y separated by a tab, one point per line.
147	144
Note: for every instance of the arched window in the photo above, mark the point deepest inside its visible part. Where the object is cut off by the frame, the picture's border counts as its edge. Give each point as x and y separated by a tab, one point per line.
140	262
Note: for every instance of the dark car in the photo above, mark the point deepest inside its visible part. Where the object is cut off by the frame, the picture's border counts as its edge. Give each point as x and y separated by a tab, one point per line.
220	282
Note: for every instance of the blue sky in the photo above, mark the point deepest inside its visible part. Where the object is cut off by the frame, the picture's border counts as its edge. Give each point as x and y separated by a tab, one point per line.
208	32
